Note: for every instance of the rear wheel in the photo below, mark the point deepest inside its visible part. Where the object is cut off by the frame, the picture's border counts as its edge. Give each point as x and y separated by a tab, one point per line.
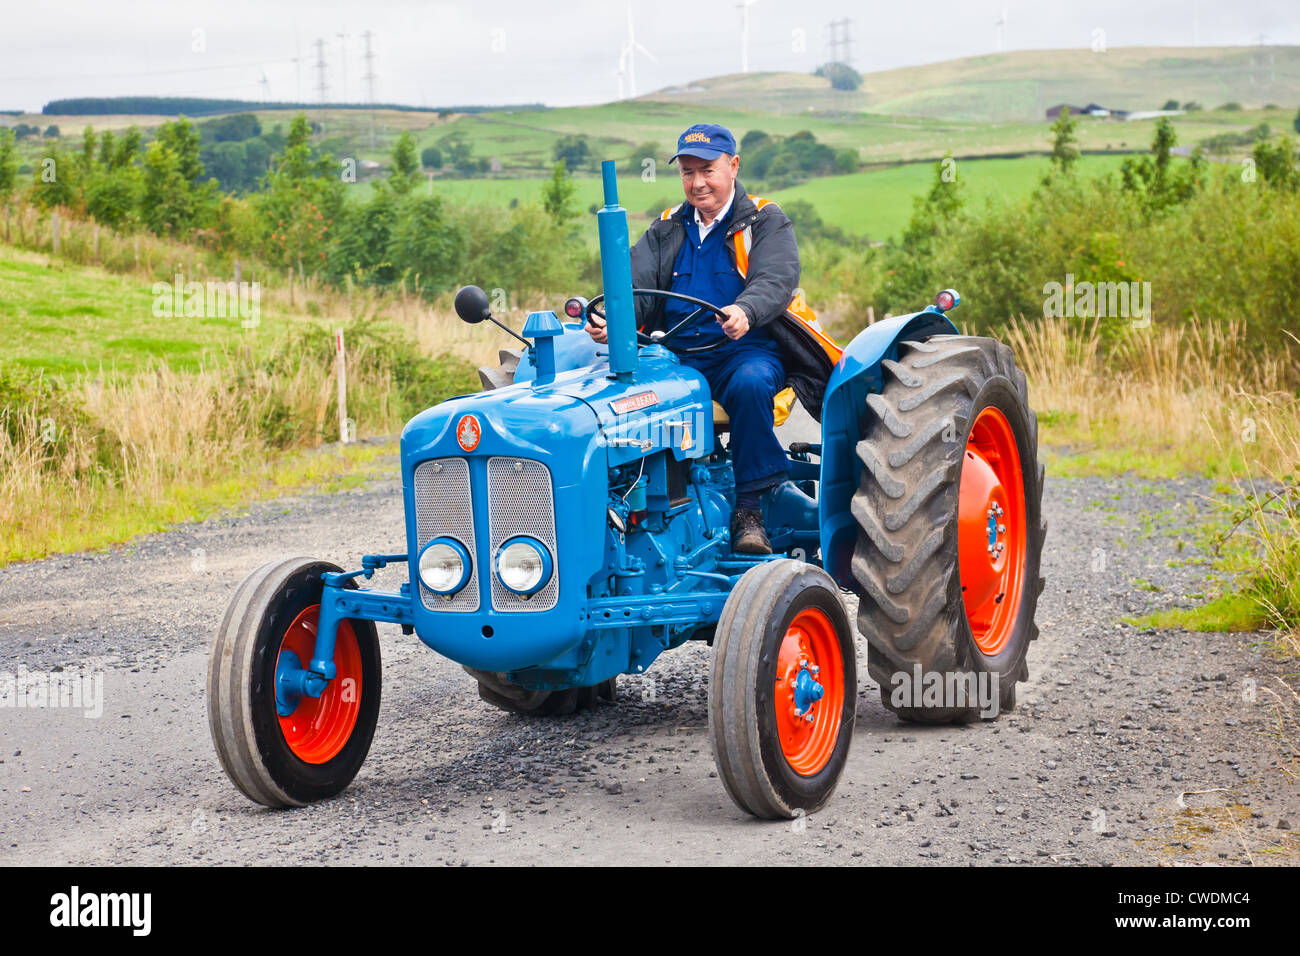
505	695
950	530
783	690
291	752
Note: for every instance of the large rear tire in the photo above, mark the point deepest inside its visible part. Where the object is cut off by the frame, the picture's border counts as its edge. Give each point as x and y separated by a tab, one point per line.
783	689
950	528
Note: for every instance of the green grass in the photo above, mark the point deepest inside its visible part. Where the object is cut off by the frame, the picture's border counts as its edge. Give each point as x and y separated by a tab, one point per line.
1231	612
74	319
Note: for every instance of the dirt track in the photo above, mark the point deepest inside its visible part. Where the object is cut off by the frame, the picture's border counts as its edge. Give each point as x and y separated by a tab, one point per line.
1112	727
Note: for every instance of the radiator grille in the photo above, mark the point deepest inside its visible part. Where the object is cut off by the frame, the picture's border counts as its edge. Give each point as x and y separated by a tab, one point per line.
443	507
520	502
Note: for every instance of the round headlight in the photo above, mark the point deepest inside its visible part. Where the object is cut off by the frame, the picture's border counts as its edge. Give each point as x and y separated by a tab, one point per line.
444	566
523	565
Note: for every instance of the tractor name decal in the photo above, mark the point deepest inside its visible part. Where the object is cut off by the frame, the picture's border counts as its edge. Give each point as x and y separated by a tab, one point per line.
468	432
634	402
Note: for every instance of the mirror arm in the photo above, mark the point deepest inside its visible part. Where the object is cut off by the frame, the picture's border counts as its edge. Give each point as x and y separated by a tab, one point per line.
527	344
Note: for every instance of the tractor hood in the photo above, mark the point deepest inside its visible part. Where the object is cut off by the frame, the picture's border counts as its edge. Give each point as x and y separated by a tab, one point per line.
668	408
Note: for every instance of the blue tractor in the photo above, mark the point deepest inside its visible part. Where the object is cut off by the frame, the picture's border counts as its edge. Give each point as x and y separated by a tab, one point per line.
570	523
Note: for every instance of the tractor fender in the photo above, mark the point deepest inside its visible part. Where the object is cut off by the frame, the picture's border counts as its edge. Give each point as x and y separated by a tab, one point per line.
844	409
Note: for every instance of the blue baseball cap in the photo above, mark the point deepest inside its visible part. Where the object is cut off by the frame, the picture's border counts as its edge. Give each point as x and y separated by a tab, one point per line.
707	141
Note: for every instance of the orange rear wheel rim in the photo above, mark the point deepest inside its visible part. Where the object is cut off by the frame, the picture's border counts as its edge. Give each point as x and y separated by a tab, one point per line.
810	653
991	531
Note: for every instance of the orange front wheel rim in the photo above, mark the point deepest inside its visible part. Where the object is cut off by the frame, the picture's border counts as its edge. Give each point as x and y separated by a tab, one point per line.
809	696
991	535
319	727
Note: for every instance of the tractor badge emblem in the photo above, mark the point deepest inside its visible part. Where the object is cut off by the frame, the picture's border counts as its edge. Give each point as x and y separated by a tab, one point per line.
468	432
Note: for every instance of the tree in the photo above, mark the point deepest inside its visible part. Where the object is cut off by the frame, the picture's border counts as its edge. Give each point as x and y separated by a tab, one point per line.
8	164
405	165
753	138
1153	178
558	193
431	157
51	132
1064	151
176	195
1276	162
573	151
1296	121
1170	105
841	75
909	261
300	202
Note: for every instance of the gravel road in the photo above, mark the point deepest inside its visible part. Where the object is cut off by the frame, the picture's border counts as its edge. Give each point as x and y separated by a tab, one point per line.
1113	728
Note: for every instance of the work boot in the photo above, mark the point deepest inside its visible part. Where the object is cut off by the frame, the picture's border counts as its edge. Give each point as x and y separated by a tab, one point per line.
747	533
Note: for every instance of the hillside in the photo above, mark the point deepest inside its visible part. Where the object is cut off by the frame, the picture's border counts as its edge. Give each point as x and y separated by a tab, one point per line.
1019	86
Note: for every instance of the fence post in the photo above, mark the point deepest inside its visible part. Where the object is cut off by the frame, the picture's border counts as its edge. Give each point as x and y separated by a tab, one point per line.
54	233
342	367
238	273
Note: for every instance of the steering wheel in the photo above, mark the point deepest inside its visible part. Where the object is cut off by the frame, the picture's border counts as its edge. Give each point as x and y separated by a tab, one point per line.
662	338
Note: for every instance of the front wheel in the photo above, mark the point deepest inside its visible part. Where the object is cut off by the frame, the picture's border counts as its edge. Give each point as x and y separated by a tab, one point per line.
783	690
308	748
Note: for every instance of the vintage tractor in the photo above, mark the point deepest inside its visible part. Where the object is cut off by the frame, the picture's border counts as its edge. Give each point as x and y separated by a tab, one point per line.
571	523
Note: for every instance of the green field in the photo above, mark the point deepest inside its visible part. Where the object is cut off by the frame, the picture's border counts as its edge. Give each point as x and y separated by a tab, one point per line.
878	204
69	319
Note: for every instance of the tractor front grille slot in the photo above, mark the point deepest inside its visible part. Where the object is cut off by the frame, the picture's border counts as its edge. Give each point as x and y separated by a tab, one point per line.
443	508
520	502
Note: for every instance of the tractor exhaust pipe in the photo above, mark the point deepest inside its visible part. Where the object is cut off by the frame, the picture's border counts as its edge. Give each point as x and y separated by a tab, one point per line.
616	275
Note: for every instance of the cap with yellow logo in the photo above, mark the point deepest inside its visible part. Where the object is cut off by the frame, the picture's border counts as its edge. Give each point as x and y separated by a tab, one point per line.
707	141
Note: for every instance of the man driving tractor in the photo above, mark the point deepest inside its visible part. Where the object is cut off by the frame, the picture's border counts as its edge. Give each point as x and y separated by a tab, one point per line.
738	252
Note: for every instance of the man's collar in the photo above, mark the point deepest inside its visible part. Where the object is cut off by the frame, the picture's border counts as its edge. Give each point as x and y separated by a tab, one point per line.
722	213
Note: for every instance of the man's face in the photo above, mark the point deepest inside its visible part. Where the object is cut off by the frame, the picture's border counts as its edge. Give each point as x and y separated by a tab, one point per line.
707	182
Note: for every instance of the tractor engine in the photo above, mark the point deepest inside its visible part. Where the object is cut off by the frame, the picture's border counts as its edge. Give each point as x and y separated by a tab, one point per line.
558	518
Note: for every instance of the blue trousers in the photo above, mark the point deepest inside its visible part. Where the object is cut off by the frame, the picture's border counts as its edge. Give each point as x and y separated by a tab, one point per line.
744	378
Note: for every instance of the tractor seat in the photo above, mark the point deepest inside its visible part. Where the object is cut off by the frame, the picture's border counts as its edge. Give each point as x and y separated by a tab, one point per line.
782	403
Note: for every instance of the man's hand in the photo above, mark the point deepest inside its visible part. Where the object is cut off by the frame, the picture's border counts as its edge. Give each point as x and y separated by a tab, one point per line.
598	332
737	323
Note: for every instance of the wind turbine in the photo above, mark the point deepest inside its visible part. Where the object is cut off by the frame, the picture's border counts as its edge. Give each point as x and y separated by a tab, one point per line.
743	6
1001	24
628	56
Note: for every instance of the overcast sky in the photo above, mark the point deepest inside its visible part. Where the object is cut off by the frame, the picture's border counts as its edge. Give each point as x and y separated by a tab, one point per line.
511	51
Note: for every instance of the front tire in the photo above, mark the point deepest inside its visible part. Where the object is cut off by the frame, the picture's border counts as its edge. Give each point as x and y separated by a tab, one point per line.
950	528
314	752
783	690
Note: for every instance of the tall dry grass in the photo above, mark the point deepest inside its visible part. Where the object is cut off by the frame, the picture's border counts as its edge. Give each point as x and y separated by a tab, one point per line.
1192	394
